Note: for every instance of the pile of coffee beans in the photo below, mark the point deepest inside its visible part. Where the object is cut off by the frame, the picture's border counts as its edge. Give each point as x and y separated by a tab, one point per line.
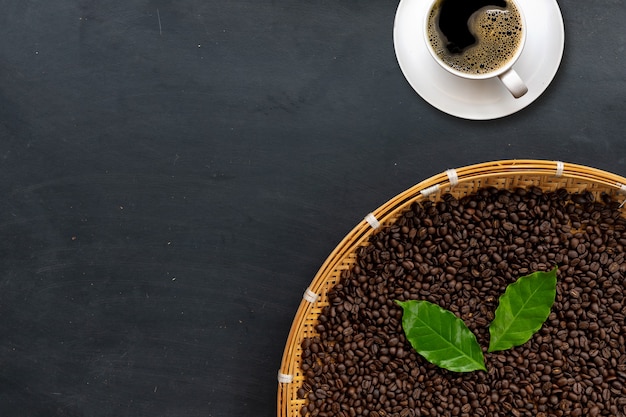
461	254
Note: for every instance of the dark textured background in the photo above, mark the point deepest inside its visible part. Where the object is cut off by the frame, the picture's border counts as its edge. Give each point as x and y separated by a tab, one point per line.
173	173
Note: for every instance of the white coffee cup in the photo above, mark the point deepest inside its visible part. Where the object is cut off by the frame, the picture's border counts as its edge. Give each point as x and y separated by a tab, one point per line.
505	72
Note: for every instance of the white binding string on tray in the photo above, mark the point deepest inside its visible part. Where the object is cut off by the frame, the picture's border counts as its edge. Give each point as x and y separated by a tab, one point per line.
622	189
284	378
372	220
430	190
453	177
560	167
310	296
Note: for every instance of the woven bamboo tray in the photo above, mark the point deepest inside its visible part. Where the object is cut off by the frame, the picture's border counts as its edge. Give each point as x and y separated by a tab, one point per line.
508	174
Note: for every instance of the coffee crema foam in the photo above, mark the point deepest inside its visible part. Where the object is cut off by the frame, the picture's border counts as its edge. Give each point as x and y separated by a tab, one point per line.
498	33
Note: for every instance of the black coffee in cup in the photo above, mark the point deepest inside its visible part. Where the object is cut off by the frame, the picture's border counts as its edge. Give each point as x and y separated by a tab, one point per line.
475	36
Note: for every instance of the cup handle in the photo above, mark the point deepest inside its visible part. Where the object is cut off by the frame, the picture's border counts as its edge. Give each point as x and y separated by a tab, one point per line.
513	83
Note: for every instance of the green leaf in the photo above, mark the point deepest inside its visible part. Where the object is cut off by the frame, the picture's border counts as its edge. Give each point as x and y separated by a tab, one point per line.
441	337
524	307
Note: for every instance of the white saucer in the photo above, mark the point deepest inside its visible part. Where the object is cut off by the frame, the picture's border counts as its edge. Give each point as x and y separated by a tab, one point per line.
482	99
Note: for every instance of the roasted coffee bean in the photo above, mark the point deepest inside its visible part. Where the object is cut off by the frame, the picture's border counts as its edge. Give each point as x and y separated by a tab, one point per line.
461	253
